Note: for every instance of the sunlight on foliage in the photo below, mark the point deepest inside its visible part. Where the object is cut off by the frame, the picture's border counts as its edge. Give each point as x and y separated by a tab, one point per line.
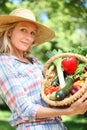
67	18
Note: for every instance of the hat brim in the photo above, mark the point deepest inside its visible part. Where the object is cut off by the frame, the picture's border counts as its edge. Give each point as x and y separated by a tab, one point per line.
44	33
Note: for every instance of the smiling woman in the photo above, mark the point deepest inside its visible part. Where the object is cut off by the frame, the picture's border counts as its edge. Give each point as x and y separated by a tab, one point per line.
22	36
21	75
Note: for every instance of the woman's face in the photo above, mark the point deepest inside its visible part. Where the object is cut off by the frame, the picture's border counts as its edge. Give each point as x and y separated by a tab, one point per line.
22	36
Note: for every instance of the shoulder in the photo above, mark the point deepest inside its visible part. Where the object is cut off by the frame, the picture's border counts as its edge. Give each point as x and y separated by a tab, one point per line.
37	61
4	58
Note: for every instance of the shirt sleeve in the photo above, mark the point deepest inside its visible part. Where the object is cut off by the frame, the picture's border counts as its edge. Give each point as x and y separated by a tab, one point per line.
14	95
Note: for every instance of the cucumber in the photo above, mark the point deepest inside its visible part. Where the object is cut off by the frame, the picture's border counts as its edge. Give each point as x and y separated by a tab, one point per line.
55	82
62	93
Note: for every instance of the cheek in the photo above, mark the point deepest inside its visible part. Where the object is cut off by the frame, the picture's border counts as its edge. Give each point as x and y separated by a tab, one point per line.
14	38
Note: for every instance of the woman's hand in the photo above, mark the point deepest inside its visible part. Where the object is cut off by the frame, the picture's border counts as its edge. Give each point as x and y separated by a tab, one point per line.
80	106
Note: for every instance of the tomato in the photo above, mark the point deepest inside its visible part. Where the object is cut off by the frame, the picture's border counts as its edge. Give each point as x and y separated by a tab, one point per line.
51	89
69	65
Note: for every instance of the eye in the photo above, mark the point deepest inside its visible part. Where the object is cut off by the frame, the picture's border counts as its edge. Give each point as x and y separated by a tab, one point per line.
23	30
33	33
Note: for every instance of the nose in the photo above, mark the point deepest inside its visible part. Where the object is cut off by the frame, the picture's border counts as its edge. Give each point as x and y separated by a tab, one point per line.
29	36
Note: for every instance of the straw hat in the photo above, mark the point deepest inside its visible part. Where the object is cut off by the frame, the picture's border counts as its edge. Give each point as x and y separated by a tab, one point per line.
44	33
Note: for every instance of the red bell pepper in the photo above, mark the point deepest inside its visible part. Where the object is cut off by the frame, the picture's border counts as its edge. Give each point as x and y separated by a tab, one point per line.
69	65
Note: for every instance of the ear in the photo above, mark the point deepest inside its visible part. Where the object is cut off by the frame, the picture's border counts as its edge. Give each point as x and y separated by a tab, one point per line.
9	33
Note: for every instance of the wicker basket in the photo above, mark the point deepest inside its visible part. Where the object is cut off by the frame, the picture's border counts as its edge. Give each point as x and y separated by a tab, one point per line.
50	74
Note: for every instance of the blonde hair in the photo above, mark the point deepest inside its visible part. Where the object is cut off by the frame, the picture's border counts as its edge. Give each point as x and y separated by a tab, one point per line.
5	43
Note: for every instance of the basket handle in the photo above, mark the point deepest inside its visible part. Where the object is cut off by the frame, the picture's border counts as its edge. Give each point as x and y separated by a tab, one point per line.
46	65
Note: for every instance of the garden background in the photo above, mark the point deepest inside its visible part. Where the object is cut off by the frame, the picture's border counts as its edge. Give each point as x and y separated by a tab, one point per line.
68	18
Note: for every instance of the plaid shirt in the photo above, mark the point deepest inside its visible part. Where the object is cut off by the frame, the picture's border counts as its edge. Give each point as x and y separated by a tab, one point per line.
20	84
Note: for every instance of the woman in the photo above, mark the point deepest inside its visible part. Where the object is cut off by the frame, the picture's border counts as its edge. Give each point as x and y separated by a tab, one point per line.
21	76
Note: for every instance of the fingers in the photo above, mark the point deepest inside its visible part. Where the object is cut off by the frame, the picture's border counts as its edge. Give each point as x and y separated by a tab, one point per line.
81	104
83	98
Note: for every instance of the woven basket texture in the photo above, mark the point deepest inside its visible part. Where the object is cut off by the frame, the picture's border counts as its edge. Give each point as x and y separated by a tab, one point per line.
50	74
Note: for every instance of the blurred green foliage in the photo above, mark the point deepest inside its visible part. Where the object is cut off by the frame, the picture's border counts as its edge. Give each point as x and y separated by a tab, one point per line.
66	17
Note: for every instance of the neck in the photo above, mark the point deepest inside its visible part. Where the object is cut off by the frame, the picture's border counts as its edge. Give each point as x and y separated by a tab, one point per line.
18	54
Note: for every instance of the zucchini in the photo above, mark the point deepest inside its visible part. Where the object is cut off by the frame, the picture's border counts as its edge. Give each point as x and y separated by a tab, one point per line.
55	82
62	93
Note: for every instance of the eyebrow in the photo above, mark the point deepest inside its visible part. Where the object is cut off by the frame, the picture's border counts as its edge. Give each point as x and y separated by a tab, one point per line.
25	26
